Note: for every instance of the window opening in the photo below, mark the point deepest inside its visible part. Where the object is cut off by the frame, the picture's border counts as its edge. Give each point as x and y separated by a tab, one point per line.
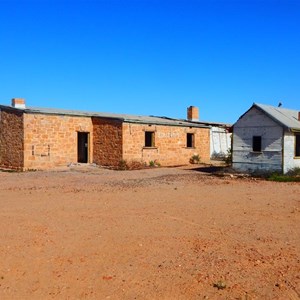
297	145
256	143
149	139
190	140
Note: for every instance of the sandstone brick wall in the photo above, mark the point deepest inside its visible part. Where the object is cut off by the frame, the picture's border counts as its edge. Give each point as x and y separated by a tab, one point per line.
170	144
51	140
107	141
41	141
11	139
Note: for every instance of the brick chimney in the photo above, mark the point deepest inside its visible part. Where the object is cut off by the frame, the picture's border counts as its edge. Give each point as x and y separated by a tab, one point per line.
193	113
18	103
298	115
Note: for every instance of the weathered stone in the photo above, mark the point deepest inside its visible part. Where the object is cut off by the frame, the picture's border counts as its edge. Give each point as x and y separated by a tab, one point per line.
42	141
11	139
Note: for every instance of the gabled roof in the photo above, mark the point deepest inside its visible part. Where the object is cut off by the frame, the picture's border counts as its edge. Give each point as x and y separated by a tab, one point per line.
286	117
122	117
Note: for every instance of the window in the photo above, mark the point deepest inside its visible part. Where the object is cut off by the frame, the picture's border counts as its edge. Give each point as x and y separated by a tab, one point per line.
149	139
190	140
256	143
297	144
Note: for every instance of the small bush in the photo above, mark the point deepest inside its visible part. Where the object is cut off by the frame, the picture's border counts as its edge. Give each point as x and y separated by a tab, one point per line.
228	157
154	163
122	165
151	163
195	159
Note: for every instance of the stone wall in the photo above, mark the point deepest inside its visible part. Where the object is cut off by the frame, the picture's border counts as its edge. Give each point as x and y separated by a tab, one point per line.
51	140
170	146
107	141
11	139
42	141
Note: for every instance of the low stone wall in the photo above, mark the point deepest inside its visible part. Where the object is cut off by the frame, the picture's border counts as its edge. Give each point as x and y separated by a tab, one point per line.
11	139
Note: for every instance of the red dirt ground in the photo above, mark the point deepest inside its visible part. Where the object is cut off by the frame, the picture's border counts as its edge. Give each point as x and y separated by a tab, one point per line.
166	233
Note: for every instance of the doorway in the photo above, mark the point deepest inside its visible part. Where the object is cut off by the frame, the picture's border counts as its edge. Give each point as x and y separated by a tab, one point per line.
82	147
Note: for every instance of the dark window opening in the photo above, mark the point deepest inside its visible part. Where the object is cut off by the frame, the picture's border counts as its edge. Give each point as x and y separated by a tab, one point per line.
297	145
256	143
149	139
190	138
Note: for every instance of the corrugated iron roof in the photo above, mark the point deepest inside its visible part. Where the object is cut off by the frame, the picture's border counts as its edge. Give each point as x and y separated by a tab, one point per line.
123	117
286	117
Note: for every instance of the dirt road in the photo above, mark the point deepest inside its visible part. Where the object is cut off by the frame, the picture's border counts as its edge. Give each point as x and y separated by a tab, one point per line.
167	233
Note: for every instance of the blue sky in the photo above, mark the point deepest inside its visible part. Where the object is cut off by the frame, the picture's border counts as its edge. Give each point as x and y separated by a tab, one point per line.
151	57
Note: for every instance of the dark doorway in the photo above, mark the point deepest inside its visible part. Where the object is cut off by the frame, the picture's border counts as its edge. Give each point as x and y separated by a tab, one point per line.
83	147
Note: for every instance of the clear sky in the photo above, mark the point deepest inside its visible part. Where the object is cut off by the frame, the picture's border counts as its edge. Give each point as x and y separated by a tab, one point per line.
151	57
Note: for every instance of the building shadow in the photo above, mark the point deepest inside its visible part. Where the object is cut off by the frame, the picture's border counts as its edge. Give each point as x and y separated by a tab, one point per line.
211	169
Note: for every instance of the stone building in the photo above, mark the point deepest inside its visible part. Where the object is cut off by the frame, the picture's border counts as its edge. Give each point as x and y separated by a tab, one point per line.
40	138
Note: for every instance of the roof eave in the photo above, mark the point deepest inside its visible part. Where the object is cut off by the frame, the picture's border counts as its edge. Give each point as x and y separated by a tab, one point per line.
74	114
164	124
295	130
12	108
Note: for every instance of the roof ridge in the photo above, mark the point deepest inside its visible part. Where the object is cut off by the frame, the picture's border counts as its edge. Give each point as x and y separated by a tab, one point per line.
285	117
276	107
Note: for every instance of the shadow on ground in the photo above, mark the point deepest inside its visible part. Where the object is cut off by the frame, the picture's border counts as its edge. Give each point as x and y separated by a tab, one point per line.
212	169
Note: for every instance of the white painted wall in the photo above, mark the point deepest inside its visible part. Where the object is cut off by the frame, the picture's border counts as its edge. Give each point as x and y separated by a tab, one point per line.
289	159
256	123
220	142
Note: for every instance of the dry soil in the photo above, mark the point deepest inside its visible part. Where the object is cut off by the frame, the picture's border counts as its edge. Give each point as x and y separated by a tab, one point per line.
166	233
